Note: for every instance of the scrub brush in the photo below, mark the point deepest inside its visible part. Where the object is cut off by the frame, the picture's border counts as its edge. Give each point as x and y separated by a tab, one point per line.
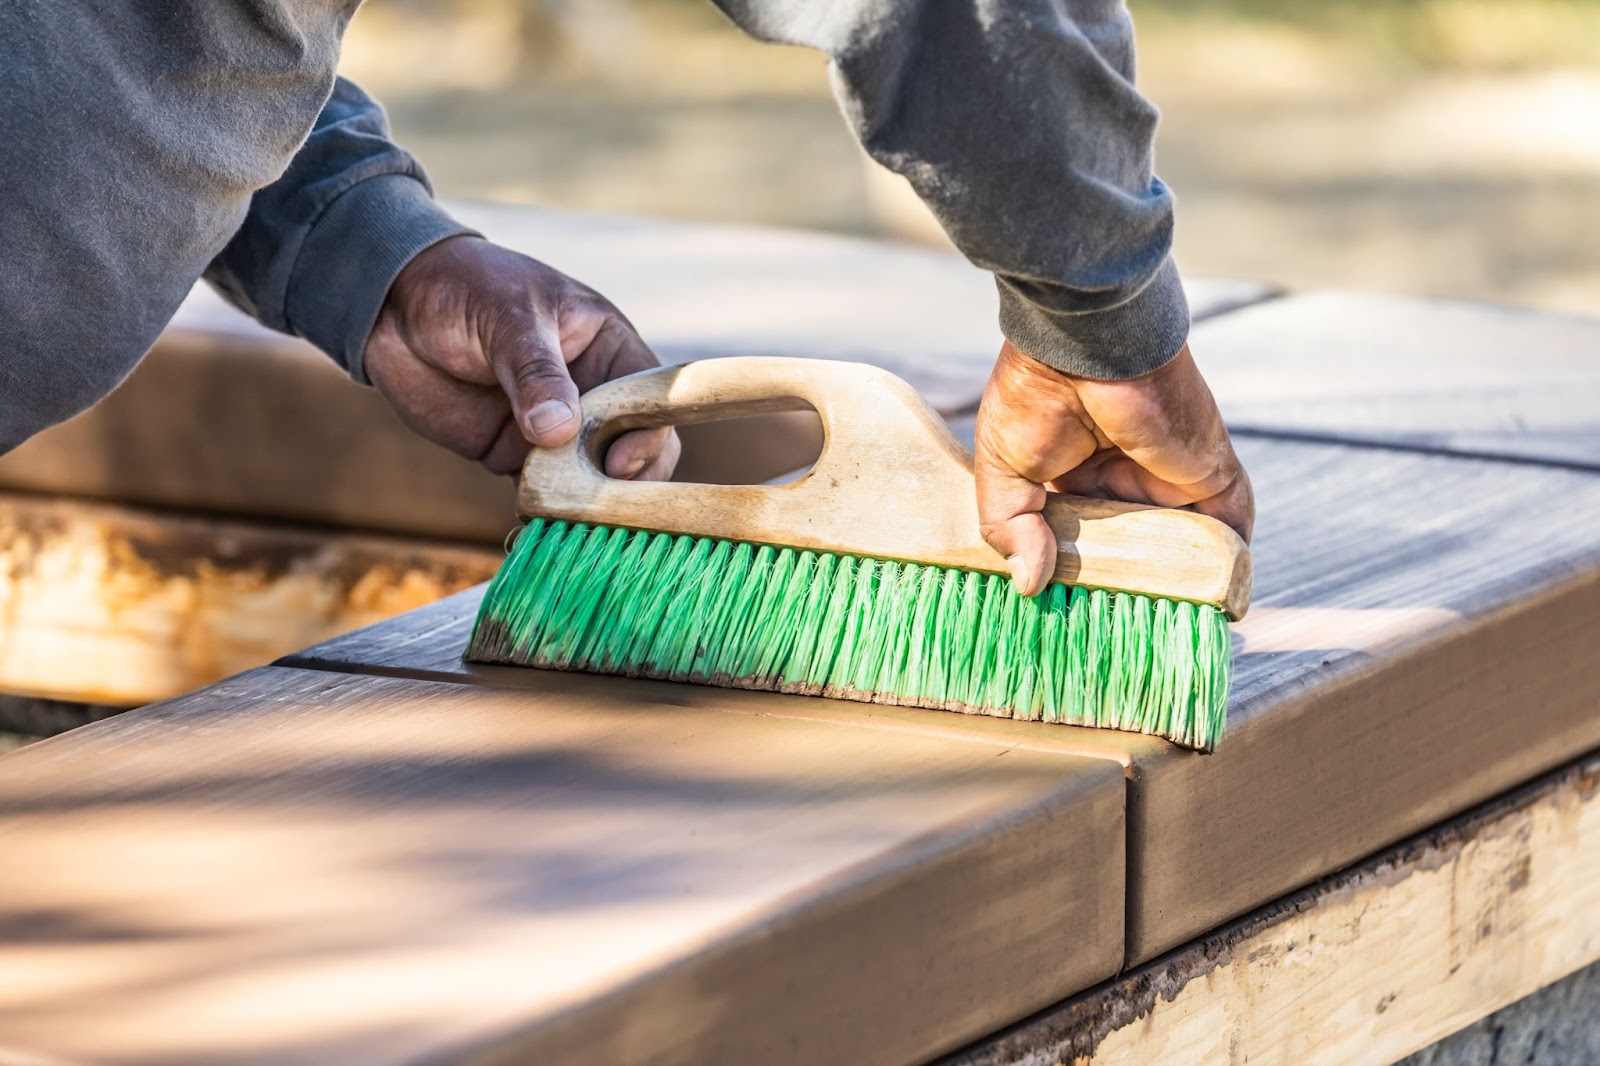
866	578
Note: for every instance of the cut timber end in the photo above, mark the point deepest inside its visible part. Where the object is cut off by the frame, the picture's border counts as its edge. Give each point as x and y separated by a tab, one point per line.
121	606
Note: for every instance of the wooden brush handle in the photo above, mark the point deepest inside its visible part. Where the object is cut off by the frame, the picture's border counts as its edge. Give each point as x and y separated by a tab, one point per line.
892	482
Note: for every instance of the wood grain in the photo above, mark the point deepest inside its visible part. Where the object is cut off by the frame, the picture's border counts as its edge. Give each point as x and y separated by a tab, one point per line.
114	605
1429	374
891	483
1422	639
1367	967
200	425
698	289
1425	627
298	866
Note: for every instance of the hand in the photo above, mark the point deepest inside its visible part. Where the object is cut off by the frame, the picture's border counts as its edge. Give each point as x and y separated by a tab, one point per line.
485	351
1154	439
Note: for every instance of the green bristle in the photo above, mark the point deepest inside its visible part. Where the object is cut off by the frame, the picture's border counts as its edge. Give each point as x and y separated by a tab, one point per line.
620	601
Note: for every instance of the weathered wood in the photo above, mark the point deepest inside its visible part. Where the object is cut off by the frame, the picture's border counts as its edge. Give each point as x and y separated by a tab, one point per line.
298	866
1422	639
697	289
35	716
1430	374
891	483
112	605
1366	967
261	426
200	425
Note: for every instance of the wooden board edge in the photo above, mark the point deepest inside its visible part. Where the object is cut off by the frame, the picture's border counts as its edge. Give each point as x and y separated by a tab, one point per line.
1370	964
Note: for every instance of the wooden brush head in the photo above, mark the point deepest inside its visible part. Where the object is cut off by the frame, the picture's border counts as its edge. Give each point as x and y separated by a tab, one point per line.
892	482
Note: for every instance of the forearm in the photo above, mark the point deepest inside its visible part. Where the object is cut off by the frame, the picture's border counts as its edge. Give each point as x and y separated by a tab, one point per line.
1019	125
320	247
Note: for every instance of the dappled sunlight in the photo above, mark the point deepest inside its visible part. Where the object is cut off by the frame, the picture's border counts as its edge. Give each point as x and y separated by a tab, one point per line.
295	858
1371	629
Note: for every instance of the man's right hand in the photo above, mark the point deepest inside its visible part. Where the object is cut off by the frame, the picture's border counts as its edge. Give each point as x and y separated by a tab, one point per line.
1153	439
485	351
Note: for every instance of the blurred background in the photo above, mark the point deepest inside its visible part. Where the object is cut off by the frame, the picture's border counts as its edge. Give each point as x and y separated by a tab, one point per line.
1445	147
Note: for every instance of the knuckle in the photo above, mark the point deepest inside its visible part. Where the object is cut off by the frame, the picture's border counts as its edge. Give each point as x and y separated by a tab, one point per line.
993	533
538	373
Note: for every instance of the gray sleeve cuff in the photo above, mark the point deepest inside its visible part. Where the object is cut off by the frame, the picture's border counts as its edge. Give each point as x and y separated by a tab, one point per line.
1139	335
351	256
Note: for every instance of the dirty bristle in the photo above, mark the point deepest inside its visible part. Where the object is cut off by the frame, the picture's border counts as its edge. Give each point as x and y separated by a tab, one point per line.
608	600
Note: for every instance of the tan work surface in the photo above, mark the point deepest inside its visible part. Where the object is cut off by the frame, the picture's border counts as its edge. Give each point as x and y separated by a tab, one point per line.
1422	639
697	289
306	867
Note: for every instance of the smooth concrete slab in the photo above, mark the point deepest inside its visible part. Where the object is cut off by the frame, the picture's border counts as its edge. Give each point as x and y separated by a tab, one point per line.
1431	374
307	867
1422	639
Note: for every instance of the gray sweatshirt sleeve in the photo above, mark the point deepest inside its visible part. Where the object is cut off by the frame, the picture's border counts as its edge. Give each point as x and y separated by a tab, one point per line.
1017	122
320	246
140	142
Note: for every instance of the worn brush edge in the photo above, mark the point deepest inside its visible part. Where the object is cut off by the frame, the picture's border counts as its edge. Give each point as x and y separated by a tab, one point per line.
603	599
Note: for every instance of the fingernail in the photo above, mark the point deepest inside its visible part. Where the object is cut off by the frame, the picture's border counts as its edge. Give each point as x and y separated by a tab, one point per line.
549	415
1018	570
636	464
1022	577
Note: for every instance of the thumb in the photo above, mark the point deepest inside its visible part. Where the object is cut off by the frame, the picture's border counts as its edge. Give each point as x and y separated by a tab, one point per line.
527	362
1009	518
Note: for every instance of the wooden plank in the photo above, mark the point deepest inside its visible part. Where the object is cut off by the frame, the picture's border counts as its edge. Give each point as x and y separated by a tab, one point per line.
427	644
1430	374
299	866
24	718
1368	966
699	289
1421	641
199	426
201	423
112	605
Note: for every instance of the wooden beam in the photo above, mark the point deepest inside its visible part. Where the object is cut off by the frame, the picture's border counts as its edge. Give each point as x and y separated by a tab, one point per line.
1383	682
112	605
1432	375
302	867
1367	966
